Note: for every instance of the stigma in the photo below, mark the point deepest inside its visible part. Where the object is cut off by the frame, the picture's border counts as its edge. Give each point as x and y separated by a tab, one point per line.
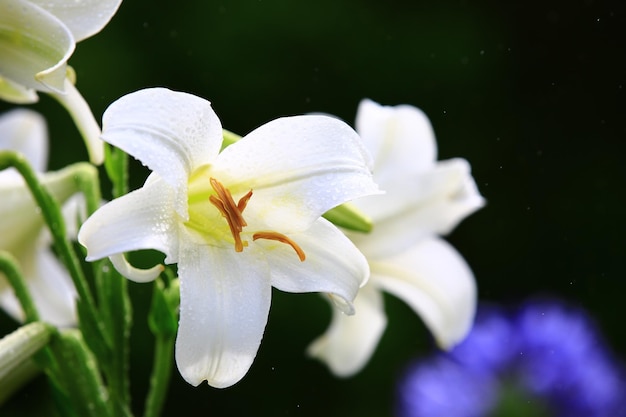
233	213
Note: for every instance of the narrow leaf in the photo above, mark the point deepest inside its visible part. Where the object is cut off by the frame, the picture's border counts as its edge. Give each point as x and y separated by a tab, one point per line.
349	217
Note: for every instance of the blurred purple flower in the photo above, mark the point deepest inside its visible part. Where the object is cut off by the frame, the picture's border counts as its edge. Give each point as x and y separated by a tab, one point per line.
547	350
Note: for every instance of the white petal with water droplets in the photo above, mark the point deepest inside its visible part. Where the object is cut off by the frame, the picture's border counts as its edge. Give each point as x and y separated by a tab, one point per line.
298	167
224	304
432	203
434	280
333	264
34	46
83	17
350	341
172	133
400	139
142	219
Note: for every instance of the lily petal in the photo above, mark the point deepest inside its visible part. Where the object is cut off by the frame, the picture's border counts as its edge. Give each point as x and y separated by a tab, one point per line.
16	93
85	17
436	282
34	46
350	341
135	274
25	131
333	265
50	286
224	305
300	166
148	222
171	132
433	203
400	139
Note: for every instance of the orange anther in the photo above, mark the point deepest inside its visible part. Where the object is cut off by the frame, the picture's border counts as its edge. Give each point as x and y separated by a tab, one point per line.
281	238
233	213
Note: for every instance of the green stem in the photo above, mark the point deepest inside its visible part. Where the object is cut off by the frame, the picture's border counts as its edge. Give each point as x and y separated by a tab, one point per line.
87	181
163	323
161	372
9	266
78	377
115	311
117	315
116	166
54	219
113	296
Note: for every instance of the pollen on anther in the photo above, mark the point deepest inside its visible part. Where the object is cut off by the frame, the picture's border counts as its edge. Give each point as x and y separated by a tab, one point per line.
243	201
224	202
279	237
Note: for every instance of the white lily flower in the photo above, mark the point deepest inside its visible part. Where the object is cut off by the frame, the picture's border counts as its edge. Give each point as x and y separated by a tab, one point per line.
236	222
407	258
37	37
22	230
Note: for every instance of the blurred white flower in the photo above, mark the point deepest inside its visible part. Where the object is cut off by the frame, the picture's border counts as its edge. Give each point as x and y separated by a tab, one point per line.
424	199
37	37
22	231
236	222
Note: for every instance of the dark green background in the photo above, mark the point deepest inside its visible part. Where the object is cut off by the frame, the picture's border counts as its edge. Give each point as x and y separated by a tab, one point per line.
533	95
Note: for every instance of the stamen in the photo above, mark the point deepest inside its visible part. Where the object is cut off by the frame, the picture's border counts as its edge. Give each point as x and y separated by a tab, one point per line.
283	239
227	198
235	229
232	212
243	201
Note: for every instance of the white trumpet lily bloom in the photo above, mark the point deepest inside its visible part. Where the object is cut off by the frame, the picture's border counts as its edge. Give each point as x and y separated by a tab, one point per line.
37	37
423	199
22	231
236	222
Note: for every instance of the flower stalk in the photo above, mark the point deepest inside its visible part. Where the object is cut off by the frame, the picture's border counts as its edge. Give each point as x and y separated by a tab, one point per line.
11	269
52	215
84	119
163	321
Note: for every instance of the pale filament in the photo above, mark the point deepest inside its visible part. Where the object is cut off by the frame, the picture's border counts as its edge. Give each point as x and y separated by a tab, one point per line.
233	213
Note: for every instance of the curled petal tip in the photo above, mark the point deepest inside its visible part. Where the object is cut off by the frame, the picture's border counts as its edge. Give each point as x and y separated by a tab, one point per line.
135	274
342	304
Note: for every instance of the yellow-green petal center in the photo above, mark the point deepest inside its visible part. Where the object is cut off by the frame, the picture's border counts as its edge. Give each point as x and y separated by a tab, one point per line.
217	213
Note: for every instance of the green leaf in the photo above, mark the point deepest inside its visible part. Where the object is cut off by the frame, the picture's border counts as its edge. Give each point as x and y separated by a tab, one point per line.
94	337
163	317
229	138
116	166
163	322
116	314
349	217
78	375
